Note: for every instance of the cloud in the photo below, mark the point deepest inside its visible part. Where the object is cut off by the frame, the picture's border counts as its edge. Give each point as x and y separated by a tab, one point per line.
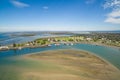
45	7
89	1
19	4
115	4
114	15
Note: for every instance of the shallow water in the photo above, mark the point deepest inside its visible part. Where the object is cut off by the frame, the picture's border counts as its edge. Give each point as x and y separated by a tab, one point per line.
7	39
112	55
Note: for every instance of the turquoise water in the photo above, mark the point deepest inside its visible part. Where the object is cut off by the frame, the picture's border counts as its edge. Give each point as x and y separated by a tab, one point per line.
112	55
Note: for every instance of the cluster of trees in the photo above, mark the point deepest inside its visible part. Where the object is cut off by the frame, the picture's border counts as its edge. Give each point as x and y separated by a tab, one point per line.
18	45
42	41
96	36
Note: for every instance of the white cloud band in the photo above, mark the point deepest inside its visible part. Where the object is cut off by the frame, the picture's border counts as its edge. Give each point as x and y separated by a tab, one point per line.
19	4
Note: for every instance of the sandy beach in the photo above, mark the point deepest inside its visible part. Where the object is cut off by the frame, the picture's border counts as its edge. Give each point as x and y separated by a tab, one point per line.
63	64
72	65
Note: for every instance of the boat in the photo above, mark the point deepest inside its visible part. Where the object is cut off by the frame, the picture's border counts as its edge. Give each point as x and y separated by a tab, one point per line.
71	43
19	48
57	44
49	45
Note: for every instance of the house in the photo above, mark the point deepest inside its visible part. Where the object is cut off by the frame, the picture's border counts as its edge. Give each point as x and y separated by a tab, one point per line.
88	39
4	47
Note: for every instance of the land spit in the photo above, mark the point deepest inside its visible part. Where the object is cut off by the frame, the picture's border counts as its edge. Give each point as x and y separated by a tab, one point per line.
69	65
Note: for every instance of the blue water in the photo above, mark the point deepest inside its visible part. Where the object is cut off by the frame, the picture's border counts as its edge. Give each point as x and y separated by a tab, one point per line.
112	55
7	38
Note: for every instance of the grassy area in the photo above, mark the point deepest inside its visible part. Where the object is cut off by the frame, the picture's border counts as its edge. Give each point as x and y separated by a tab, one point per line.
44	42
57	65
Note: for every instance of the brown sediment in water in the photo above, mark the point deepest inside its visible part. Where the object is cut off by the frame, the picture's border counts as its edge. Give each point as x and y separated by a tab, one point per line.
70	64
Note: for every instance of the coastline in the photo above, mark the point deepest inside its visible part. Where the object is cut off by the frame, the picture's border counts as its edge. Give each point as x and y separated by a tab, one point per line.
99	44
62	64
90	61
9	47
46	45
104	60
84	51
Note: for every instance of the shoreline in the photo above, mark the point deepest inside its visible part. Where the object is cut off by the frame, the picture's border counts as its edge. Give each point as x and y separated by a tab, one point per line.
9	47
84	51
99	57
47	45
63	64
99	44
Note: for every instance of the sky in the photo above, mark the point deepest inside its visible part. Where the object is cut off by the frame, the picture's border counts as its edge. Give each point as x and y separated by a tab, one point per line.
59	15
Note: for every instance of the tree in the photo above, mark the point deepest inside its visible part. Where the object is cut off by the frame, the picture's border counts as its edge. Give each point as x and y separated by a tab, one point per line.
14	45
43	42
70	39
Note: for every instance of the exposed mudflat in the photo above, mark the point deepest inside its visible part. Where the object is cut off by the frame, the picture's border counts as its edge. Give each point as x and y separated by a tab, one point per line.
68	65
